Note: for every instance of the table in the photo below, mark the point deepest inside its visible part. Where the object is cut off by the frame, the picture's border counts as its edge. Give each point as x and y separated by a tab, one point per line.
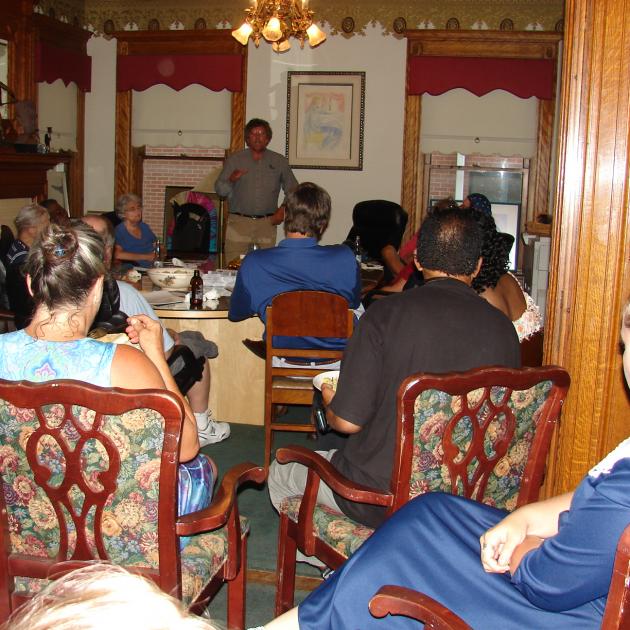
237	388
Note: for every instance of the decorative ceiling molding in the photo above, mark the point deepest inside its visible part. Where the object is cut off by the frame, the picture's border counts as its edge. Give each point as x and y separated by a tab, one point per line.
515	15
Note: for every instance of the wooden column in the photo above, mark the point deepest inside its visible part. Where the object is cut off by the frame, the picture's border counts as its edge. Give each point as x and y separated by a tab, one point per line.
411	195
590	256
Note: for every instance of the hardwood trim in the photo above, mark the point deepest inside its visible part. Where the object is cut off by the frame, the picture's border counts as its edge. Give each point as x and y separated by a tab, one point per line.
187	42
542	175
412	166
76	182
591	245
123	166
483	43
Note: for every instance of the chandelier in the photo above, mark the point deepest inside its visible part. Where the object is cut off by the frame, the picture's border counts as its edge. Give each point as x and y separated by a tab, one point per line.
277	21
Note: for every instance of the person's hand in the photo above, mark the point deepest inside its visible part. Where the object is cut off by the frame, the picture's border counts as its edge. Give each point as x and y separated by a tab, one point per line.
148	333
237	174
499	542
150	256
277	217
328	393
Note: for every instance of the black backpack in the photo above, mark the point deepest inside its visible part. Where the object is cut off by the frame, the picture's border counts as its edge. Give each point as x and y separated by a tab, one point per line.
192	228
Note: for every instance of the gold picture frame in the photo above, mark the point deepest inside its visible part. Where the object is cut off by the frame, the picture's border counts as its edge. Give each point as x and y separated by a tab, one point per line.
325	120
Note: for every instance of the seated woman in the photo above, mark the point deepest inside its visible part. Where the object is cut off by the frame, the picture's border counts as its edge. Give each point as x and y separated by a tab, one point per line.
545	565
498	286
65	272
135	241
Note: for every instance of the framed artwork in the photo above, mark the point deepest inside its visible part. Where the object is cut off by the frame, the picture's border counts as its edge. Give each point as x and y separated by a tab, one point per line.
325	119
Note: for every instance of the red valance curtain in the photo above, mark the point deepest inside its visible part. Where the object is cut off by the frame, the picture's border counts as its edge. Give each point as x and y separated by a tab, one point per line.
216	72
521	77
52	63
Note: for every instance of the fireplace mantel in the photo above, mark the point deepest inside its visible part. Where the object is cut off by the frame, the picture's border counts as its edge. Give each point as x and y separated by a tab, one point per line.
23	175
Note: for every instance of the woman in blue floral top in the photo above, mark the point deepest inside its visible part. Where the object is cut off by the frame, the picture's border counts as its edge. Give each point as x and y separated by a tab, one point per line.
65	274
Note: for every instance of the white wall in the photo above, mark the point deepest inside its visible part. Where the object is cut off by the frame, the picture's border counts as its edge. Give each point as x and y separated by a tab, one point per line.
100	117
57	108
194	116
383	60
503	123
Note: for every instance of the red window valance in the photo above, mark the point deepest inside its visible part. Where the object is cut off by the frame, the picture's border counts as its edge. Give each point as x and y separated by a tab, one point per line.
216	72
52	63
521	77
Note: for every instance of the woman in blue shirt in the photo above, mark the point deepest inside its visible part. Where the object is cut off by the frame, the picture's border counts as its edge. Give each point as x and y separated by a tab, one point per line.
135	241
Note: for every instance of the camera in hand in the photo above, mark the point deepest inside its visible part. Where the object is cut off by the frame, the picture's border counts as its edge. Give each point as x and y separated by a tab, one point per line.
319	412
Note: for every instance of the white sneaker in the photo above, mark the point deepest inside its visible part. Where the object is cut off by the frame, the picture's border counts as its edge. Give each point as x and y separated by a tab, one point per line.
213	432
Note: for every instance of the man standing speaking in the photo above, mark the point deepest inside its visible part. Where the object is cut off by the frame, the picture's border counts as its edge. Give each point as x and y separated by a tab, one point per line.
251	180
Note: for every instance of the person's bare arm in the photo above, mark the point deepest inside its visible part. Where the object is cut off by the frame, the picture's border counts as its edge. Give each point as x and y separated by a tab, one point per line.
148	334
391	259
336	422
539	520
121	254
277	217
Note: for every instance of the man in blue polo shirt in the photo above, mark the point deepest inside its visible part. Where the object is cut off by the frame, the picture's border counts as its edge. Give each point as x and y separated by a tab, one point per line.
298	262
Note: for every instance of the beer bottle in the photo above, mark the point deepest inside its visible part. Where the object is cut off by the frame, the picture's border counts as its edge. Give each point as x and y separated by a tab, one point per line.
196	290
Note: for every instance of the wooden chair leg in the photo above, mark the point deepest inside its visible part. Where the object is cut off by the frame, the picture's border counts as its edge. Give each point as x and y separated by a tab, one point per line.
268	434
287	549
236	593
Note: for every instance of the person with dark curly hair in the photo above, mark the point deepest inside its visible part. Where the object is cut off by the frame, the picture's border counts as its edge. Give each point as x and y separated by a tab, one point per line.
497	285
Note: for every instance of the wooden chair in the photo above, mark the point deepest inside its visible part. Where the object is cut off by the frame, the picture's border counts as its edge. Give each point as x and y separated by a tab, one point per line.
398	600
482	434
90	474
617	612
299	314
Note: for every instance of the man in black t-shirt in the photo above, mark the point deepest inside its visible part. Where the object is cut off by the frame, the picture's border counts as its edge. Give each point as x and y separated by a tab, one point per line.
440	327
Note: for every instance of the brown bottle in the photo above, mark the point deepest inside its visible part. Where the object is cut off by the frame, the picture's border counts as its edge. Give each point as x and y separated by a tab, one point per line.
196	290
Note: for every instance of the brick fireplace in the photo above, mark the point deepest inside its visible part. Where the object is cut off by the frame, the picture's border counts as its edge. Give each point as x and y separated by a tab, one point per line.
173	166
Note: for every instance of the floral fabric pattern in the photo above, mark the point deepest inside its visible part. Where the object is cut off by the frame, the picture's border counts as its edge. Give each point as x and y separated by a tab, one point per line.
434	411
130	515
337	530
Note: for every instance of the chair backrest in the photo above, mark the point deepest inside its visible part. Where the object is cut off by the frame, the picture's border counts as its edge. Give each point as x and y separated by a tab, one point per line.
88	474
483	434
378	222
617	612
316	314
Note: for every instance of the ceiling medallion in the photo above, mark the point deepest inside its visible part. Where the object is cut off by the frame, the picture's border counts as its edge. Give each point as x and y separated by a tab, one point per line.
400	25
278	20
347	25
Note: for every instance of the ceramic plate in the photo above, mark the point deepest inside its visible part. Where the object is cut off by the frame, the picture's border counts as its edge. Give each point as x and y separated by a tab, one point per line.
330	378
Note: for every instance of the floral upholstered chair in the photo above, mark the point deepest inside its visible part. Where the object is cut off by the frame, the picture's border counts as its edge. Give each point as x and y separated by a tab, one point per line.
482	434
90	474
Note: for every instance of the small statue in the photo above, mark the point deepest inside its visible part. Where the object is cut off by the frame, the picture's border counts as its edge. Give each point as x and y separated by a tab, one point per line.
48	139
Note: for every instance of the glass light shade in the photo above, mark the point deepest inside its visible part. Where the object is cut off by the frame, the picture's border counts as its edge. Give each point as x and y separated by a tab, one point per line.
272	32
281	46
242	34
315	35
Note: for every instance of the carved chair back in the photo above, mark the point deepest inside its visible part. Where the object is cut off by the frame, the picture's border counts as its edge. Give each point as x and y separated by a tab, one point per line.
482	434
88	474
